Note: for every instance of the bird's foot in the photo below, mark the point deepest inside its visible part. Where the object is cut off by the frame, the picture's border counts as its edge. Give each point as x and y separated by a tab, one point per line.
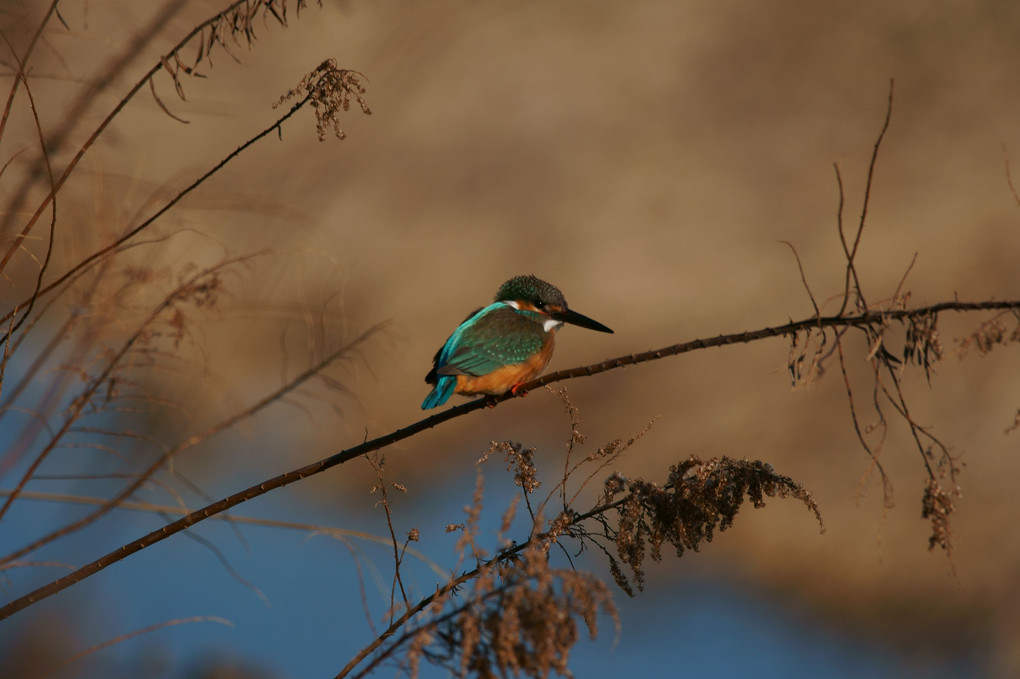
518	390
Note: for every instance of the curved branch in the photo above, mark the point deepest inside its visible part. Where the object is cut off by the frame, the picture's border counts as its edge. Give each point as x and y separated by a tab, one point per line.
861	320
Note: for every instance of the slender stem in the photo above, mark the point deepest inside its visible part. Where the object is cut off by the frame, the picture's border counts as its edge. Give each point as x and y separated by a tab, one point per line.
276	126
138	43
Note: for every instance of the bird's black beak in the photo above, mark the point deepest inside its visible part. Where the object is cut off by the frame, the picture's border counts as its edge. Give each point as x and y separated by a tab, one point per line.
568	316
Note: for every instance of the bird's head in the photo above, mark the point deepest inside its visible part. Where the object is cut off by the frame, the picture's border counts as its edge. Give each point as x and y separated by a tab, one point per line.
529	293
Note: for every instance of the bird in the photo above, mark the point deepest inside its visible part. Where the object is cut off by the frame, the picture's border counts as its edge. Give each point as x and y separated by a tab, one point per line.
505	344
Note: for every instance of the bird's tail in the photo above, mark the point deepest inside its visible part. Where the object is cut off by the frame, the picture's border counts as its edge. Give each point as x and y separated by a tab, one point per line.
440	393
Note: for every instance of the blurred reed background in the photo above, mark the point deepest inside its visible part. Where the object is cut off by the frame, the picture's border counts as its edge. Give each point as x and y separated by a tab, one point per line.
647	158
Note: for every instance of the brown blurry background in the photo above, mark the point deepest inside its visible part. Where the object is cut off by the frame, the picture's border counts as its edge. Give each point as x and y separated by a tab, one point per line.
647	158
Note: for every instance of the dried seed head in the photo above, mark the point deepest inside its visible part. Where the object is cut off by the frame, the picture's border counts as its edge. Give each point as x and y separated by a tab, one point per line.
329	89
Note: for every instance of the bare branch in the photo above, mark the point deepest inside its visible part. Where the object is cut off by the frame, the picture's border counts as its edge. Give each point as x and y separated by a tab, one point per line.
861	320
851	254
803	278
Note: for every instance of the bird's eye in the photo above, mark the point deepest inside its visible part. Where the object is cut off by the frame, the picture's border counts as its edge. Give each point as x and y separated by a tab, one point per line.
539	304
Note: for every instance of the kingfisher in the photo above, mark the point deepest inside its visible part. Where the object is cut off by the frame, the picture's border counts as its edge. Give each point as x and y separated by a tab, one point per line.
502	346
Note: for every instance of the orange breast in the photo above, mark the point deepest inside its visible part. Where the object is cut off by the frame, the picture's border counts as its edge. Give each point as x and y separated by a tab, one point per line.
502	379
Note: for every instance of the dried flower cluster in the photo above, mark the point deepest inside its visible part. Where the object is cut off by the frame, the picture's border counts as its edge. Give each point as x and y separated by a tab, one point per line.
989	334
697	498
922	346
520	461
808	353
330	90
939	502
937	506
520	618
512	615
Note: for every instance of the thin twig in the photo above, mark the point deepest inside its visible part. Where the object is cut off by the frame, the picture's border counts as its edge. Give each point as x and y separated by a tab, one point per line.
79	403
852	254
53	190
158	23
7	354
1009	175
74	113
85	262
903	281
803	278
868	185
377	467
131	635
191	441
22	63
151	508
873	453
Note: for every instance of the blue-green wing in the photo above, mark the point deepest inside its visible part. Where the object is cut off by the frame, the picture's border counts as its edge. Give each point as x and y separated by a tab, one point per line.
495	336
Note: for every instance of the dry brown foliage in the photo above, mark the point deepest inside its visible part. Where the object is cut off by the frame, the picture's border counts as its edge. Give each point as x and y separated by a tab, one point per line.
514	613
990	334
330	90
697	498
517	615
96	320
93	328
